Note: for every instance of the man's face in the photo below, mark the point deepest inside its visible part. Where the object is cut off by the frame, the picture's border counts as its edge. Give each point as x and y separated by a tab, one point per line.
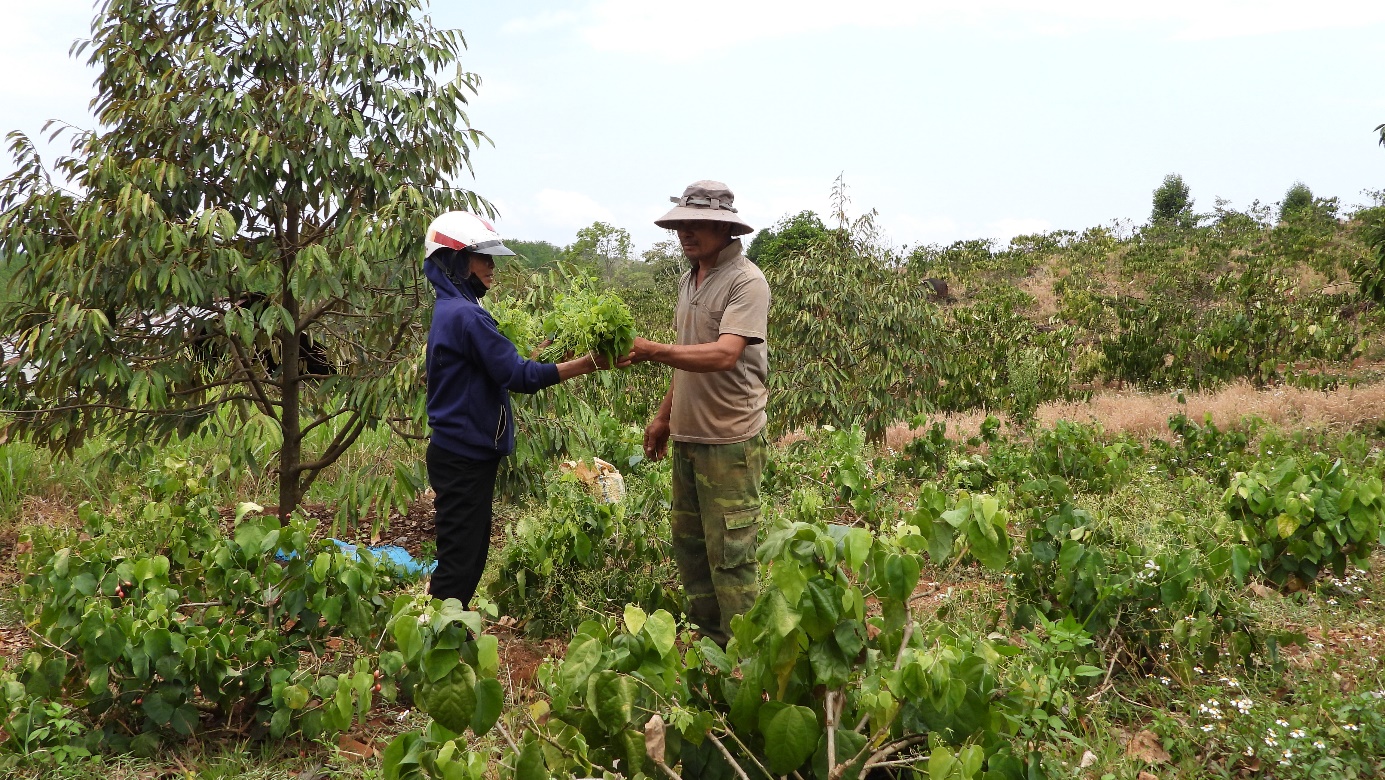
703	240
483	268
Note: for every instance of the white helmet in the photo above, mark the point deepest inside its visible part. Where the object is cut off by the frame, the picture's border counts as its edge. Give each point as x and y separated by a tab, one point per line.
463	230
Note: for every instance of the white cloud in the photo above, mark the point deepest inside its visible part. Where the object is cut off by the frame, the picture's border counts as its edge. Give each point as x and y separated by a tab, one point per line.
570	210
674	30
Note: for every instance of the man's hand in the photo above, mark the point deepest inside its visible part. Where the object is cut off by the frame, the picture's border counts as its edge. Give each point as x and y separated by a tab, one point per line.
600	361
643	350
656	438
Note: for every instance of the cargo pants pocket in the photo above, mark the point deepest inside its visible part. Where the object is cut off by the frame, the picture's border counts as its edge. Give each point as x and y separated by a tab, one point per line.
739	540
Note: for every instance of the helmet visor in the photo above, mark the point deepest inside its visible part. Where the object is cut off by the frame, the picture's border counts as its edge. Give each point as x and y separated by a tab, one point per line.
490	248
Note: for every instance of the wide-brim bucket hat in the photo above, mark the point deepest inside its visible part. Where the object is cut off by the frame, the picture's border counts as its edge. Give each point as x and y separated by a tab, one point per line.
705	201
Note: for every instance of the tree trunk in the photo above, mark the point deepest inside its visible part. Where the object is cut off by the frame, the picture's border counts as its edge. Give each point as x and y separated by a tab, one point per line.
291	454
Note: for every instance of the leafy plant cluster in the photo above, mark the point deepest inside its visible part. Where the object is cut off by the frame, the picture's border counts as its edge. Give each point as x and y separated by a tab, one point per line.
1169	608
162	626
813	681
573	556
585	321
1296	518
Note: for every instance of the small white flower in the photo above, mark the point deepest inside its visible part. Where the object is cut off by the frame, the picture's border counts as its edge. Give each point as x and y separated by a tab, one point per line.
1319	745
1250	750
1271	741
1297	734
1284	724
1207	728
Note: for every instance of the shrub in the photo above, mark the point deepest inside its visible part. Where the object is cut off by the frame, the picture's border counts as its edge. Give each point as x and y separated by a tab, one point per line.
1293	520
1077	453
572	555
157	634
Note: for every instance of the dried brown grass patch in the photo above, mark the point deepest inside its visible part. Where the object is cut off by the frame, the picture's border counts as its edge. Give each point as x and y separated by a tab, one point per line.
1040	288
1144	415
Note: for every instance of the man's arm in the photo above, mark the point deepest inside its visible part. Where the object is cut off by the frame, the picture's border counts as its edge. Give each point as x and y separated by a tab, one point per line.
719	355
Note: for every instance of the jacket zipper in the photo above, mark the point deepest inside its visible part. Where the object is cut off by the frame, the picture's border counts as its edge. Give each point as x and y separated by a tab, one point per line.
500	427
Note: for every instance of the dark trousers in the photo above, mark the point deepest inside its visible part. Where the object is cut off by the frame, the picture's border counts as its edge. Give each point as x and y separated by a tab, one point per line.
464	489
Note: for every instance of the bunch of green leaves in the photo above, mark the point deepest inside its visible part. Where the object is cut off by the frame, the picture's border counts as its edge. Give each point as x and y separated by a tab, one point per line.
573	554
963	524
839	459
584	321
1298	518
137	632
514	322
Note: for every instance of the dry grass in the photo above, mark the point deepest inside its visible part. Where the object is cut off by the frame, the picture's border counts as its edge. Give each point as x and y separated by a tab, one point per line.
1144	416
1040	288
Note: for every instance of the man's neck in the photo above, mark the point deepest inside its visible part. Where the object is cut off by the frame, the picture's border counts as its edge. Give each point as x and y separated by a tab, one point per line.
701	269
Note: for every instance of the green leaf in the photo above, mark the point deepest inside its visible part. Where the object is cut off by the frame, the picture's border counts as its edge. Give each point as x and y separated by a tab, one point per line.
530	764
401	758
437	664
941	764
487	656
856	548
407	636
296	697
1286	525
157	708
634	619
661	630
490	700
452	700
1242	559
611	696
791	735
580	662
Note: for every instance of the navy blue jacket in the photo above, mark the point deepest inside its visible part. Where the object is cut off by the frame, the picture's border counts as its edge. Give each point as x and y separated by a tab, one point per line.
471	369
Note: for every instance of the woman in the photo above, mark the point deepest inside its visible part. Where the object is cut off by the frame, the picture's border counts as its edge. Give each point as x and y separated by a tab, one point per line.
471	369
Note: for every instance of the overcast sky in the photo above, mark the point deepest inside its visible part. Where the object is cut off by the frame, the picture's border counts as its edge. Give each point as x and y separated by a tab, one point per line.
954	118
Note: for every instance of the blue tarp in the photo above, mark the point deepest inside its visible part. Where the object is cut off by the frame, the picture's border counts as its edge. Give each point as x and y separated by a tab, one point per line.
386	554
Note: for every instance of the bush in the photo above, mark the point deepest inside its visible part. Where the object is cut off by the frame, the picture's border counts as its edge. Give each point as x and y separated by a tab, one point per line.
1077	453
1171	607
156	626
572	556
1295	520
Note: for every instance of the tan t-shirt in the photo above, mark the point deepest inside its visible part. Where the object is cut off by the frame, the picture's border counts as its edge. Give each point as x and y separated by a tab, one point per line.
723	407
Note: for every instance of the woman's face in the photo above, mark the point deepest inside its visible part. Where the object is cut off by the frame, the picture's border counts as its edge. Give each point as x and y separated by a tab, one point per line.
483	268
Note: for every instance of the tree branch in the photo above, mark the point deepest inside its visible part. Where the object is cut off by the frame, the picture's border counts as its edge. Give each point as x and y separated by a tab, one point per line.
726	754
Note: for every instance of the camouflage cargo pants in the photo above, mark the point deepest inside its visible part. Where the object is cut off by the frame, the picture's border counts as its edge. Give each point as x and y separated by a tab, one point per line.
716	513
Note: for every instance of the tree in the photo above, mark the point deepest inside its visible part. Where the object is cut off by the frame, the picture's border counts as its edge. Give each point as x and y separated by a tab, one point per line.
788	236
603	247
1173	204
1298	198
261	180
868	351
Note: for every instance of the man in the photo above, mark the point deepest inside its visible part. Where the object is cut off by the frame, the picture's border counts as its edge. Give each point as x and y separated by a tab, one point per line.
714	410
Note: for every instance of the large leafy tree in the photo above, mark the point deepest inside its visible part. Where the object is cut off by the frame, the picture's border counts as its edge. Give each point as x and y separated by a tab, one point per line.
258	188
